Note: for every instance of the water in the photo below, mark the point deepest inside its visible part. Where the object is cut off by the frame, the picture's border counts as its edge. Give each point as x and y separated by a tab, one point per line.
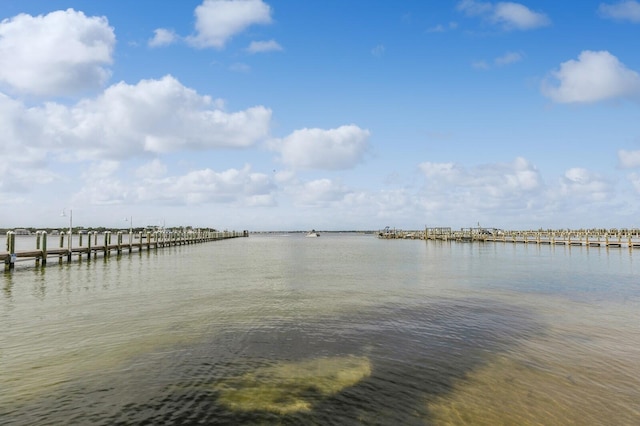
341	329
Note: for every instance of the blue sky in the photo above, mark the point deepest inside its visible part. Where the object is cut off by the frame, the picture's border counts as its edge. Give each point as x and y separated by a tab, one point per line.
292	115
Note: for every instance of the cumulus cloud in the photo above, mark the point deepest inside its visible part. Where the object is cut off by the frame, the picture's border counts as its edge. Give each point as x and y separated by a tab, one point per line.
509	15
158	116
629	159
514	186
581	183
153	116
163	37
496	179
219	20
237	186
334	149
320	192
62	53
264	46
241	187
453	192
594	77
628	10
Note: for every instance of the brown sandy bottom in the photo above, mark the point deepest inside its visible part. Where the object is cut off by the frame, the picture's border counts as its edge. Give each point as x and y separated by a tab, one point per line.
286	387
547	383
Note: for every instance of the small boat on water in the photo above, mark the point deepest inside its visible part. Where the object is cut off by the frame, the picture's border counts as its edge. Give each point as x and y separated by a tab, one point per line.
313	234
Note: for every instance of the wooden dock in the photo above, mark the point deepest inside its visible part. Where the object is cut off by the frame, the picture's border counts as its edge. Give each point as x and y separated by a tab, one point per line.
613	238
109	243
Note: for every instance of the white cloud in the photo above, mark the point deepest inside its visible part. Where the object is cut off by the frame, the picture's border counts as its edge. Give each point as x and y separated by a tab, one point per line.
594	77
516	185
498	180
62	53
501	61
581	183
237	186
152	170
102	192
628	10
163	37
444	172
517	16
102	169
333	149
240	187
511	192
508	58
153	116
320	192
158	116
264	46
219	20
474	8
629	159
509	15
634	178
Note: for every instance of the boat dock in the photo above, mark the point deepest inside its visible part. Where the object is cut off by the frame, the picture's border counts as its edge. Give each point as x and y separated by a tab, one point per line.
614	238
89	246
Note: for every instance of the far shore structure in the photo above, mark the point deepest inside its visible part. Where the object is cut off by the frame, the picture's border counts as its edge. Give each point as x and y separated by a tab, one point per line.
91	243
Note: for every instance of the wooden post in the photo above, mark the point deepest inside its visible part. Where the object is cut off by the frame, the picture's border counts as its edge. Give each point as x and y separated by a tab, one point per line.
9	263
106	243
89	246
70	243
61	245
119	249
44	248
38	245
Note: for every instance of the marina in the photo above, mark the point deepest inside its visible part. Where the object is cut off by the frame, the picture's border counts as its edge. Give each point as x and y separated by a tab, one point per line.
343	329
613	238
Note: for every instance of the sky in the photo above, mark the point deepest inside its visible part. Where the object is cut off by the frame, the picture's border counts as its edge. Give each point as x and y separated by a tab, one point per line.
273	115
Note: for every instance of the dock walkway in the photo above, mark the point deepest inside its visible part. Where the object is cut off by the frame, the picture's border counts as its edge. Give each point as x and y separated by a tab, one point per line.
135	243
614	238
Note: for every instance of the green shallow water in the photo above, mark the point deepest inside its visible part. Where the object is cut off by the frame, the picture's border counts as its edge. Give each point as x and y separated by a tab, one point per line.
342	329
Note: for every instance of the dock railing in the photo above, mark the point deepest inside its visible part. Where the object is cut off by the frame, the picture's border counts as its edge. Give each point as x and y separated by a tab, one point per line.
104	244
615	238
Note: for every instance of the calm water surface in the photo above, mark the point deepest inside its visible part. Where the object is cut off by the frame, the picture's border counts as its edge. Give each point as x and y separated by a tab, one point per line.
341	329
